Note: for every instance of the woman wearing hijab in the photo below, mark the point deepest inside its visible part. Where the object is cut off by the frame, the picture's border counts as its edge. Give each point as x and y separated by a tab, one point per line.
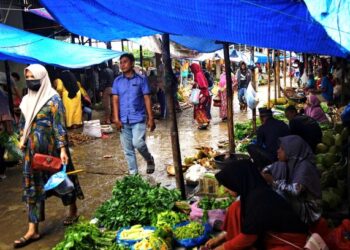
201	110
244	76
68	88
296	178
42	130
261	218
314	110
222	93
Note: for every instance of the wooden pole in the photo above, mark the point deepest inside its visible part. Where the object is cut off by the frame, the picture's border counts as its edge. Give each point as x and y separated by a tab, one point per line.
141	57
254	85
230	124
275	73
268	80
170	86
278	73
290	69
123	48
285	69
9	87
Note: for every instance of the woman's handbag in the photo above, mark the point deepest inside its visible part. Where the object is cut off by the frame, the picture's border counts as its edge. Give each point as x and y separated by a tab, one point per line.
47	163
194	97
217	101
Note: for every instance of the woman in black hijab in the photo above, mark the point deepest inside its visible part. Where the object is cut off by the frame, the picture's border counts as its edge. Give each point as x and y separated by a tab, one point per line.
261	218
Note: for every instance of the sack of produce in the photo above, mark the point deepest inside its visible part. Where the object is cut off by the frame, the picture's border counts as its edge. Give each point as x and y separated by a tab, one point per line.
191	234
92	128
128	236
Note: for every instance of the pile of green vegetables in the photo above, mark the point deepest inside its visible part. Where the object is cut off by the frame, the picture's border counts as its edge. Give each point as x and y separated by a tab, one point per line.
192	230
208	203
169	219
86	236
135	201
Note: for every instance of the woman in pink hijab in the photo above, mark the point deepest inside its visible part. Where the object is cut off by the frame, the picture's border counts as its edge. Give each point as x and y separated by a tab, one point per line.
314	109
200	110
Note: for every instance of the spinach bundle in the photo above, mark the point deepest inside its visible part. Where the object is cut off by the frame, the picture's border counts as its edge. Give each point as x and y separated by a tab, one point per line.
135	201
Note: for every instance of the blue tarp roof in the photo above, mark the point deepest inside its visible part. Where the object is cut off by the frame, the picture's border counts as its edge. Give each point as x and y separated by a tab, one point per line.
334	16
278	24
25	47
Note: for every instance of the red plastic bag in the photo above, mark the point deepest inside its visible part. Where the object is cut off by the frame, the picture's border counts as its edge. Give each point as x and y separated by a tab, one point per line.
339	238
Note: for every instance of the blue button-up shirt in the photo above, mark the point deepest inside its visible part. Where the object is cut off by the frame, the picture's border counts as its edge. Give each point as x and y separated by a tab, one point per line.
131	93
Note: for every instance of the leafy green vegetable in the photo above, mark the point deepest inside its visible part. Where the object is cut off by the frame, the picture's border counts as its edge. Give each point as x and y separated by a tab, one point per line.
208	203
86	236
135	201
190	231
169	218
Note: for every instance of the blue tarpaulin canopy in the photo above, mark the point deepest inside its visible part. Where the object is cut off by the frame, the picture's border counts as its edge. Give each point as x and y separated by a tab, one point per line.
278	24
334	16
25	47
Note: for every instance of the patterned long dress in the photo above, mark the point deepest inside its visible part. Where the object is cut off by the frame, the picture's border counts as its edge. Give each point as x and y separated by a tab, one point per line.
47	135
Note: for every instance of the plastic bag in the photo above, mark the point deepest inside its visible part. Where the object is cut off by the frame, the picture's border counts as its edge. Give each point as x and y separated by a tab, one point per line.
194	97
188	243
339	238
92	128
60	182
251	97
214	216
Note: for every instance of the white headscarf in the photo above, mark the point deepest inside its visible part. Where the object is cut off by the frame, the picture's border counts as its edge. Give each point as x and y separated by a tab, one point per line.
33	102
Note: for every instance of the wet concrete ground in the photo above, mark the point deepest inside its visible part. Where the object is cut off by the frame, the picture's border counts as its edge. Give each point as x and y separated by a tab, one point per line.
101	174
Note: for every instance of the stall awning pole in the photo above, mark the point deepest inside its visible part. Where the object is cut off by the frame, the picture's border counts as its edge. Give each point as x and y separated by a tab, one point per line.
284	69
170	87
268	79
230	124
254	84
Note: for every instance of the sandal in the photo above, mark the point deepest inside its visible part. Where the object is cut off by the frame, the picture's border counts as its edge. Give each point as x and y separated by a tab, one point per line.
150	166
69	220
24	242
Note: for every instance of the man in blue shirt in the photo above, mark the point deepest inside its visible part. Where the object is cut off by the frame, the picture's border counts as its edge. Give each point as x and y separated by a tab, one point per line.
132	112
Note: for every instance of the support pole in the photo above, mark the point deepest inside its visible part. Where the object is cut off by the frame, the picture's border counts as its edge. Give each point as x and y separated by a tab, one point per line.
254	85
9	87
290	69
268	80
230	124
275	73
170	82
123	49
110	62
278	73
284	69
141	57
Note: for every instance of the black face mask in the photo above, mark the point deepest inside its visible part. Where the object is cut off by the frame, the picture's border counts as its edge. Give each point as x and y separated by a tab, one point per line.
33	84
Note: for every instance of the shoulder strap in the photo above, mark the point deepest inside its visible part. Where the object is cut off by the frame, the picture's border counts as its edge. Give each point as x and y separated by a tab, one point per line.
285	241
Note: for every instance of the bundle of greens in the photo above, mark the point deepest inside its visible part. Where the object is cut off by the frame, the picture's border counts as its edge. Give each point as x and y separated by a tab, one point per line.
86	236
135	201
208	203
192	230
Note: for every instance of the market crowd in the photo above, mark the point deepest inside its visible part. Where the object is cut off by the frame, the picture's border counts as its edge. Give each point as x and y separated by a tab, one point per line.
279	188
